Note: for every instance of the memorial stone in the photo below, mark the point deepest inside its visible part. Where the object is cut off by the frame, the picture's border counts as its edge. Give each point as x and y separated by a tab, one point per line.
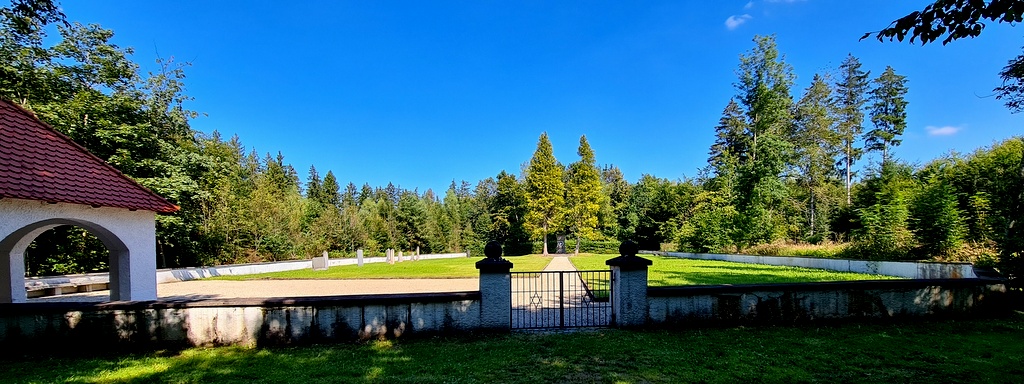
320	263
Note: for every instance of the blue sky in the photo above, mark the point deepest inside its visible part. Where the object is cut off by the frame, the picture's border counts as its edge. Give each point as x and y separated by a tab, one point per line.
423	93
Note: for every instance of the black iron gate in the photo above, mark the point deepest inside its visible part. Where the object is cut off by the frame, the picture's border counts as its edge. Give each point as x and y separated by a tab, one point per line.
561	299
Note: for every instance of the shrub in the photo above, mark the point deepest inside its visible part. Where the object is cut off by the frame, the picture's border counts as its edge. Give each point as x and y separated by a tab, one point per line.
937	222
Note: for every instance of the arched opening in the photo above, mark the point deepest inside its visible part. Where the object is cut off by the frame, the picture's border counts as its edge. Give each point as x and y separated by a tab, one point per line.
66	250
15	245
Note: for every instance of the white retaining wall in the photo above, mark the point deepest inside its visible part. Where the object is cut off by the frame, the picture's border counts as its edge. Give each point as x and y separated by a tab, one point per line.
172	275
905	269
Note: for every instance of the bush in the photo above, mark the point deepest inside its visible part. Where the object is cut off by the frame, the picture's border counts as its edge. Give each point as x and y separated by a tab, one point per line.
937	222
824	251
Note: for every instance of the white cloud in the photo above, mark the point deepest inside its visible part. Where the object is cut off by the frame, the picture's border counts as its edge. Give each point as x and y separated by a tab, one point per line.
735	21
942	131
749	5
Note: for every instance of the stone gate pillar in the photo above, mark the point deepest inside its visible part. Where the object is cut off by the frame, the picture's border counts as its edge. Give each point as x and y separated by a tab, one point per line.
629	286
495	289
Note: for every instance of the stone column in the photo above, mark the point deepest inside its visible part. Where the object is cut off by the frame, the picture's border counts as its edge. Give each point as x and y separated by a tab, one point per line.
12	278
495	290
629	286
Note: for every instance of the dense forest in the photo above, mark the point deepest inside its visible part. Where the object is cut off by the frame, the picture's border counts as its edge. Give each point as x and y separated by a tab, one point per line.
819	169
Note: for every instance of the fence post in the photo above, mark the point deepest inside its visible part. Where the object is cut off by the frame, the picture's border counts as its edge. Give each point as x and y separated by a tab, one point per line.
629	286
495	289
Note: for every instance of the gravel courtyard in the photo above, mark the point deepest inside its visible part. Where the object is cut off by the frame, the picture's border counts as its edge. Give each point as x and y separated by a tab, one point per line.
221	289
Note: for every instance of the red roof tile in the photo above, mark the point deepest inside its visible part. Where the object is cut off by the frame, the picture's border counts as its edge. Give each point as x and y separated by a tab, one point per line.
39	163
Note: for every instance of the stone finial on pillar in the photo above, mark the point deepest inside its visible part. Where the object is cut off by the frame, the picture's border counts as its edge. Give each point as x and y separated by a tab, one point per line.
495	289
629	286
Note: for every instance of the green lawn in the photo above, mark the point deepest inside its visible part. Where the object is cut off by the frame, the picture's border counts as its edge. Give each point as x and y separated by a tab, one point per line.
666	271
968	351
462	267
673	271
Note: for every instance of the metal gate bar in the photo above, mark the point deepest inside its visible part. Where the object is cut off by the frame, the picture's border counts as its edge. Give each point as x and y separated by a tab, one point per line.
561	299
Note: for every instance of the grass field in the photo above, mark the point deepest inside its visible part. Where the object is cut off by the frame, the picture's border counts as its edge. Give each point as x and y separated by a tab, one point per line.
462	267
673	271
666	271
968	351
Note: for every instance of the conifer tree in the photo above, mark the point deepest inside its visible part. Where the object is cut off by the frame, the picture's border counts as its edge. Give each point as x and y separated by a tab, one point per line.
816	147
850	89
544	191
583	194
329	191
763	87
730	140
888	113
314	189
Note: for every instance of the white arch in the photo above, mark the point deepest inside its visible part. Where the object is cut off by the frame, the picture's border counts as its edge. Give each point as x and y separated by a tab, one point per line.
130	236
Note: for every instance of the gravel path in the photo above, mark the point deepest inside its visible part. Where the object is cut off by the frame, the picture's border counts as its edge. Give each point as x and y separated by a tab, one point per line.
222	289
560	263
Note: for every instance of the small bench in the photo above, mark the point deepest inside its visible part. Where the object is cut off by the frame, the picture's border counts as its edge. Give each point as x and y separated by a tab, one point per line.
59	285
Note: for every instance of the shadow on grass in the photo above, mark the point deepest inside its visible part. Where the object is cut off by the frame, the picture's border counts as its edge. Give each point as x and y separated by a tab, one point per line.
986	350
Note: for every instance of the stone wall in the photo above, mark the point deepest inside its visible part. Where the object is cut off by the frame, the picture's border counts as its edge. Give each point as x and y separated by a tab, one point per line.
252	322
905	269
756	304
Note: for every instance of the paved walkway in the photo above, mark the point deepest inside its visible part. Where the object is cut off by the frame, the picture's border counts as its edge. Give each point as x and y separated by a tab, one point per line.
546	300
560	263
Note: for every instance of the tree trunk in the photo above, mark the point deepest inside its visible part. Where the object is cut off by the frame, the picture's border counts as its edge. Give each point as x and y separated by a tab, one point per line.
813	208
849	159
545	239
577	252
1014	234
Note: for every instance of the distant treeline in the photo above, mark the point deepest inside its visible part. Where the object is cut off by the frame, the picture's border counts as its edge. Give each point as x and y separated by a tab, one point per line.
780	170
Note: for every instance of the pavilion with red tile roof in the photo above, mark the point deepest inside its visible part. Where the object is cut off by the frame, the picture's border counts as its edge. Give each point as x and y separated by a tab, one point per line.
48	180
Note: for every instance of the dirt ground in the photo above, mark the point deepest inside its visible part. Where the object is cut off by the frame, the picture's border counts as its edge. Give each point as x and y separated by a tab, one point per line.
221	289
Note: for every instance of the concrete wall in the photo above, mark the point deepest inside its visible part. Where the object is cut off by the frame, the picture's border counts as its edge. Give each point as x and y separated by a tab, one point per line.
163	324
814	302
909	270
237	321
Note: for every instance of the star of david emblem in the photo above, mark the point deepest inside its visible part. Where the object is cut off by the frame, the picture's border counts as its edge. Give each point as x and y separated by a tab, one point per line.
536	300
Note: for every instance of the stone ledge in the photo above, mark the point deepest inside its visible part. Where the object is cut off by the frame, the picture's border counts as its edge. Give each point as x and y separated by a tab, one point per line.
819	286
312	301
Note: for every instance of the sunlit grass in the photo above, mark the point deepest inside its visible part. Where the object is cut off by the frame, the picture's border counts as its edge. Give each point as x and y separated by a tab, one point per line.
666	271
461	267
673	271
927	352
